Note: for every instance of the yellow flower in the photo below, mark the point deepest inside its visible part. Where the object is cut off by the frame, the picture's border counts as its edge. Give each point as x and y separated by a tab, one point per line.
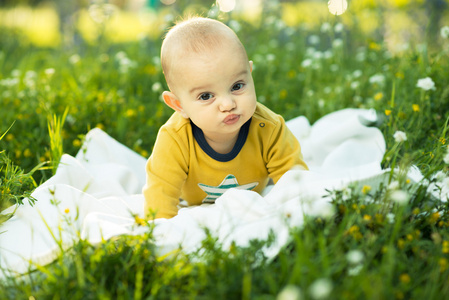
66	210
443	264
27	153
409	237
144	153
76	143
374	46
366	189
401	244
139	220
283	94
415	107
291	74
399	75
434	217
388	112
367	218
131	113
9	137
404	278
378	96
443	141
101	126
416	211
445	247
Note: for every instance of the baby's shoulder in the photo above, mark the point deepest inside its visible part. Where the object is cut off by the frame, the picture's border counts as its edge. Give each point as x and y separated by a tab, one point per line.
266	117
176	124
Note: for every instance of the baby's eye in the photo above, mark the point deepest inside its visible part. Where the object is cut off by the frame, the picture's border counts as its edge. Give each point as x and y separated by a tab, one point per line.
205	96
237	86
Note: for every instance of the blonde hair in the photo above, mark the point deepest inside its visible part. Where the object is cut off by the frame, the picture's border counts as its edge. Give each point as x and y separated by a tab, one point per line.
196	35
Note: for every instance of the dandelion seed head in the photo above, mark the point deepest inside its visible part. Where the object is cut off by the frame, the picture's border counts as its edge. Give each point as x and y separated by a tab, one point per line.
399	136
426	84
400	197
378	79
390	218
290	292
338	27
337	43
74	59
320	288
444	32
314	39
156	87
326	27
355	257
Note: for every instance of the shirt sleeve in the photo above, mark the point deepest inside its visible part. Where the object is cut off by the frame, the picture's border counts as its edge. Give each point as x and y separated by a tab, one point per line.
166	172
284	152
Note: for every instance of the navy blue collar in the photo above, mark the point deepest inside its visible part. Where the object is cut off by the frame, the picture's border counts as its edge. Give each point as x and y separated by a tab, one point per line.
241	139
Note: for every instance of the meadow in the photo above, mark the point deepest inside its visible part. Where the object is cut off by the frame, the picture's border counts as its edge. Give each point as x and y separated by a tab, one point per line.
391	56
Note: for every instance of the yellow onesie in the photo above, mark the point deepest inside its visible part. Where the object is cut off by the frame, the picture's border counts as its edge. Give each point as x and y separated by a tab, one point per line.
183	166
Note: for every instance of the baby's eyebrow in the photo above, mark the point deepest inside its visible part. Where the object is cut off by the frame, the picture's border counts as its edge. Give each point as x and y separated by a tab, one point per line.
199	88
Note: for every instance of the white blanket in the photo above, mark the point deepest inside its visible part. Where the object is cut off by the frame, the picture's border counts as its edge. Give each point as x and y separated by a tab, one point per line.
96	194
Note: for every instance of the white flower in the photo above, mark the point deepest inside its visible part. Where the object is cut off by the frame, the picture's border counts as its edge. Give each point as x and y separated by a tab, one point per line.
357	73
15	73
321	288
49	72
271	57
354	271
399	136
326	27
377	79
444	32
156	87
314	39
355	85
328	54
290	292
74	59
337	43
120	55
390	218
400	197
426	84
306	63
338	27
235	25
334	67
355	257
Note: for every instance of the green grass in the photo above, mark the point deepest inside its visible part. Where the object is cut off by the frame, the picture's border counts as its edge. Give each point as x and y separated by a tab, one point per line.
401	251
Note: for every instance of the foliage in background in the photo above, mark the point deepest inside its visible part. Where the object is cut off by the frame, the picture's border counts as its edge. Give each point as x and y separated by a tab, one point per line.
391	244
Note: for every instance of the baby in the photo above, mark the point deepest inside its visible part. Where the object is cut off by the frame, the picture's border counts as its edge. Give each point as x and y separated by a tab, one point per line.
219	136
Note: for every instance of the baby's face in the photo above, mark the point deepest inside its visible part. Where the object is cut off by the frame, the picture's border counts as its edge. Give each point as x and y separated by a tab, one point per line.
216	91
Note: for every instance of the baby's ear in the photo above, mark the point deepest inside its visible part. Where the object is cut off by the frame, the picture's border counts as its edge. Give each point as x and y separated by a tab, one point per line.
171	100
251	66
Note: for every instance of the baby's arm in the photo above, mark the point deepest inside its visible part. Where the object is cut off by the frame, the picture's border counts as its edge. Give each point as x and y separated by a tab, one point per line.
166	171
284	152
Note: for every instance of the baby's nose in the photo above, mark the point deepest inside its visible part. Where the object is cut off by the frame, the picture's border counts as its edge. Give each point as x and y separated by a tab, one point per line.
227	103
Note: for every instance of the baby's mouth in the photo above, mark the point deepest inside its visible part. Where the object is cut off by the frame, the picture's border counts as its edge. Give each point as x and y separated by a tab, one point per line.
231	119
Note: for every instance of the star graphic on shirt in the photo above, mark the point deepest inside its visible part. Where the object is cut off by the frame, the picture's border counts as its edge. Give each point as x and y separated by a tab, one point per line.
213	192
